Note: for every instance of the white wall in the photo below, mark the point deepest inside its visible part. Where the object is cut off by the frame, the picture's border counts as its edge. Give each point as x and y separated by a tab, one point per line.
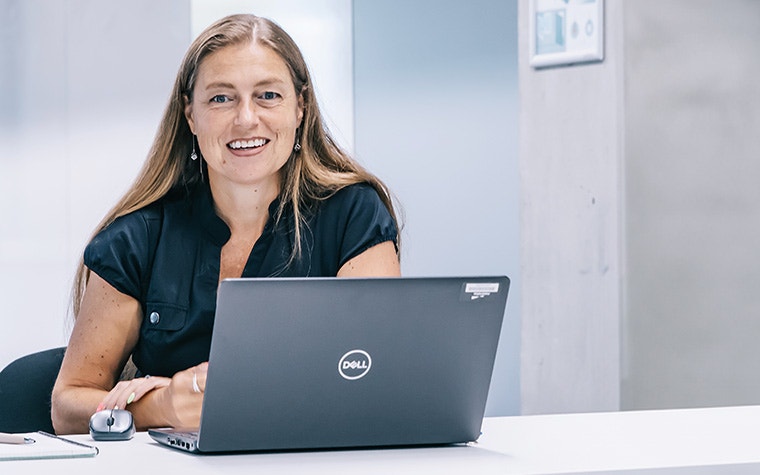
436	118
84	84
692	203
571	142
641	213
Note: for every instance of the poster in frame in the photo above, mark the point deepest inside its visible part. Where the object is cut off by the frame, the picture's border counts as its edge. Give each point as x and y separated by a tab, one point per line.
565	32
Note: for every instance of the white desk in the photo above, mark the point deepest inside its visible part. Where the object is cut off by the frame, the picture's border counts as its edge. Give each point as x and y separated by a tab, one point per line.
720	440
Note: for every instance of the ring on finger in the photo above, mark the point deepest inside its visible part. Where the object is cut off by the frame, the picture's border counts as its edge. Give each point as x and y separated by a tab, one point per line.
196	388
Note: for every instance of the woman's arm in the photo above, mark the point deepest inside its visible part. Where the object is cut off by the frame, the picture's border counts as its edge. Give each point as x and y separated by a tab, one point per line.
104	335
380	260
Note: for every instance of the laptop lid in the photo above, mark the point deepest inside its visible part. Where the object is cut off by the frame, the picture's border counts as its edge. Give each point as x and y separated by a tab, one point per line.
324	362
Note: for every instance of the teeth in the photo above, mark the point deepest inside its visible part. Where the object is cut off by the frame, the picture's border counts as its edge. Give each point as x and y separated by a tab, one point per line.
240	144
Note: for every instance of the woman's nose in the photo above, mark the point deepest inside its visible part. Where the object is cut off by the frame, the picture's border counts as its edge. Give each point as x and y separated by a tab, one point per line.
247	114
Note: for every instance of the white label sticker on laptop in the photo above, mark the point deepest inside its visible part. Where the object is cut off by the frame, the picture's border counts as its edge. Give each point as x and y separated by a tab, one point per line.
479	290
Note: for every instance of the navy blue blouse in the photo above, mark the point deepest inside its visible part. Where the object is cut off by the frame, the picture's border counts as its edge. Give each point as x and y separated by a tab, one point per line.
167	256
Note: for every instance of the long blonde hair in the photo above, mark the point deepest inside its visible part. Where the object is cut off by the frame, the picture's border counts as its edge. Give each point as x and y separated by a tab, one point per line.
316	172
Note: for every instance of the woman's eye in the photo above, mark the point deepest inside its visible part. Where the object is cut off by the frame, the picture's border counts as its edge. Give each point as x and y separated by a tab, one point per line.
269	95
220	99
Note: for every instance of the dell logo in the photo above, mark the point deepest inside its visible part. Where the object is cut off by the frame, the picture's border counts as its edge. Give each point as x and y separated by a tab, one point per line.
354	364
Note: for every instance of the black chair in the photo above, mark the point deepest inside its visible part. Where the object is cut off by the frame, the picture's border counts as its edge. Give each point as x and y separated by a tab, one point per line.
26	385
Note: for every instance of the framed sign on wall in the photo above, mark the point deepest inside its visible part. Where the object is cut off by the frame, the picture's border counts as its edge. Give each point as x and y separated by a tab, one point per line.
564	32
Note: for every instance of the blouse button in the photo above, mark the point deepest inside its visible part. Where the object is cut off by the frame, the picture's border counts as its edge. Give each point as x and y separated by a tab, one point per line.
154	317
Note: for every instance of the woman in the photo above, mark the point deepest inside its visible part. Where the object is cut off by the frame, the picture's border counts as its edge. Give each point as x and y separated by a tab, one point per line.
242	180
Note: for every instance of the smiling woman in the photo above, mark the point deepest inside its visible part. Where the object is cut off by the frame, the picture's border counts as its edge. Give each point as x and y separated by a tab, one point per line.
241	168
245	111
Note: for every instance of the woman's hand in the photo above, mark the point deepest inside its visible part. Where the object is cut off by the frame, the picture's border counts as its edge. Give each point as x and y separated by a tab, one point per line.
128	392
183	397
179	398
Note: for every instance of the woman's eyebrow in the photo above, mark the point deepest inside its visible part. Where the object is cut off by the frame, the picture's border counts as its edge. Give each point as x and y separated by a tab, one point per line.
219	85
273	81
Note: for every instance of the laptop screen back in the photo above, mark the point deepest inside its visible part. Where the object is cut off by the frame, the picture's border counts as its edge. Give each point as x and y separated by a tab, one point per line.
318	363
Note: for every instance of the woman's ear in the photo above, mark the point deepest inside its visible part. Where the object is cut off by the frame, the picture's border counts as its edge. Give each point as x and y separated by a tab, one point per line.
189	113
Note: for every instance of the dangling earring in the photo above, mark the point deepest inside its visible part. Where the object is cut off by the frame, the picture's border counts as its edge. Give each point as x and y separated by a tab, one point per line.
193	155
297	146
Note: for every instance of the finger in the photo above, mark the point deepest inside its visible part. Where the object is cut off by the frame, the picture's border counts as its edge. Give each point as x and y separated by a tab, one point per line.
143	386
199	378
115	397
201	372
140	387
125	392
128	392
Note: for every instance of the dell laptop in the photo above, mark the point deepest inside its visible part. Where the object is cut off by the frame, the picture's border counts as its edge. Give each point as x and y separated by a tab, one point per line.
317	363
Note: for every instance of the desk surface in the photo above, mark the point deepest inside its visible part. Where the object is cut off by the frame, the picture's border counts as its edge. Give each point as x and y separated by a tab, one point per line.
689	441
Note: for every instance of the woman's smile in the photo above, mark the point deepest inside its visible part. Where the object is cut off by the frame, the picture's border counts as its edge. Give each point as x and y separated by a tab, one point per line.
244	145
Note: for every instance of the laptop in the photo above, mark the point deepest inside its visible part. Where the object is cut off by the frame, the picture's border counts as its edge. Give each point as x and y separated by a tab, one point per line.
325	363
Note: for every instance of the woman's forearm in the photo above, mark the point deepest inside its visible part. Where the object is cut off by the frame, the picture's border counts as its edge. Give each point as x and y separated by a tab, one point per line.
72	408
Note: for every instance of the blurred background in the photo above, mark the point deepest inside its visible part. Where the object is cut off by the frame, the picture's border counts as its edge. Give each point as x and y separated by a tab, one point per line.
620	196
423	92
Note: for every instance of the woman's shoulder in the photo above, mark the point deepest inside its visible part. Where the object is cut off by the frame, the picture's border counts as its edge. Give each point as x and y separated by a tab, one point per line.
122	252
356	194
137	222
358	203
137	231
150	216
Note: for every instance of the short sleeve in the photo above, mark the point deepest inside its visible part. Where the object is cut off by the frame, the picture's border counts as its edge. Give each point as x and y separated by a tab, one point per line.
121	253
362	219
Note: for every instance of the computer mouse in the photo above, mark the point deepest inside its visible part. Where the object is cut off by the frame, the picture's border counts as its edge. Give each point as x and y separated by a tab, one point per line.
112	424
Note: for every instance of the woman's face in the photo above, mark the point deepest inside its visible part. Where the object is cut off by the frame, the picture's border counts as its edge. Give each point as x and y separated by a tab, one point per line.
244	111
